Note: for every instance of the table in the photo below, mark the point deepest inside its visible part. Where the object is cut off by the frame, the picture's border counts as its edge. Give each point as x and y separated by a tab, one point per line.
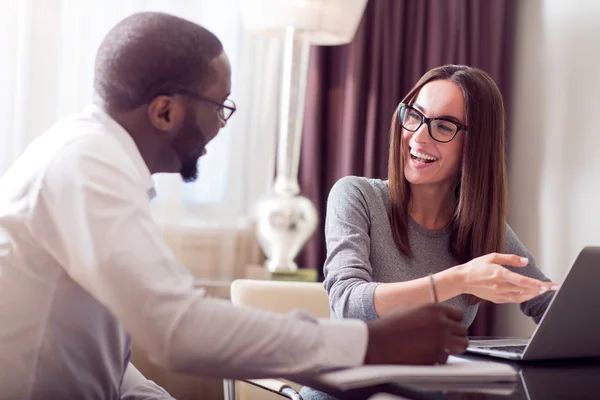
574	379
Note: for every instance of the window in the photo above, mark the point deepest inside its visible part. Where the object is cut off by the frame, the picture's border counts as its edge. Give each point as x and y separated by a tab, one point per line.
48	51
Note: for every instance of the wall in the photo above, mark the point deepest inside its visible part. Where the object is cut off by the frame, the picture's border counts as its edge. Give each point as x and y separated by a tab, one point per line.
216	253
554	172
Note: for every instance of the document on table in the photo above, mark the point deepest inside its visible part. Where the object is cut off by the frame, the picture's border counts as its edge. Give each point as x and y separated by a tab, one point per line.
454	371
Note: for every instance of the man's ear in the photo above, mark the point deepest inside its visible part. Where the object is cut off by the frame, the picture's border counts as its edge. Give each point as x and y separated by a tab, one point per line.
166	114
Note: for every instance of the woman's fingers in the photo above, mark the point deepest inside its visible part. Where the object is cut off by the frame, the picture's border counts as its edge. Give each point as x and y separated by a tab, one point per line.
498	259
519	297
507	259
509	287
524	282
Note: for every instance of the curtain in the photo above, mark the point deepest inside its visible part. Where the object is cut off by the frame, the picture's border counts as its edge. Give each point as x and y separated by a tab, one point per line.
354	89
47	50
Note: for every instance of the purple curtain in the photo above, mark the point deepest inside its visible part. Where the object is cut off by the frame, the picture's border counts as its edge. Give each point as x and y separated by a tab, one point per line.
353	89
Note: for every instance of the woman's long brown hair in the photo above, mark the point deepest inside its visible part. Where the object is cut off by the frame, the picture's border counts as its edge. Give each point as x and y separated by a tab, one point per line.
480	212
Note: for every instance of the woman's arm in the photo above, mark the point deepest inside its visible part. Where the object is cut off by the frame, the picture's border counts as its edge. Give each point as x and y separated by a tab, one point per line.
348	271
485	277
389	296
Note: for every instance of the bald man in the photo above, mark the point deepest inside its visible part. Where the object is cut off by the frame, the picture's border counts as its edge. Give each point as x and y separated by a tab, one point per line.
83	266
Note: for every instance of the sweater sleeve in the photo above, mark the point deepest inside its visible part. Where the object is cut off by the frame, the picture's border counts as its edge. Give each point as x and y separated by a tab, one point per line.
535	307
348	271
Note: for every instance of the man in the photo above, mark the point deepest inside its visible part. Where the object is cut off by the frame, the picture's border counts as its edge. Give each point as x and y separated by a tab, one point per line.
83	265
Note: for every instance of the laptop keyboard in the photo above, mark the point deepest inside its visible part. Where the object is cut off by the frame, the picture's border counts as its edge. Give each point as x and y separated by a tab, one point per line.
509	349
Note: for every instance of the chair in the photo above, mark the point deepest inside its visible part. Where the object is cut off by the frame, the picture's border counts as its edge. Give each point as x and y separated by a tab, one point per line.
280	297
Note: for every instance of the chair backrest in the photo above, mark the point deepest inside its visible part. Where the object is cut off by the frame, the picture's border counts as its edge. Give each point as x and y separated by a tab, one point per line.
281	296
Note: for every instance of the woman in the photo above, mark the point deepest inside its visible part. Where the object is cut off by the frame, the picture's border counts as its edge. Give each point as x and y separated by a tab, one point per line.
442	212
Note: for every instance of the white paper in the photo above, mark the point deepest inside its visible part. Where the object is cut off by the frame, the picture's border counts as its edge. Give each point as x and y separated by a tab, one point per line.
456	370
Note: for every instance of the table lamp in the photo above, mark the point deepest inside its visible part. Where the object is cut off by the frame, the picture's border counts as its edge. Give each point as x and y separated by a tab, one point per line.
285	220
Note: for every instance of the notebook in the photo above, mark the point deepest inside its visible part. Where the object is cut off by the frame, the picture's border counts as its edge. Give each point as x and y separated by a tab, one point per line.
455	370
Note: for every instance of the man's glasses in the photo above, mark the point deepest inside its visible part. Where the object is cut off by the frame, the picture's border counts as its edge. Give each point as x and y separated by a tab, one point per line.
441	130
227	108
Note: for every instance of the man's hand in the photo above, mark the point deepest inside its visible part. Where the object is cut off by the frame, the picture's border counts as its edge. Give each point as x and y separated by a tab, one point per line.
423	335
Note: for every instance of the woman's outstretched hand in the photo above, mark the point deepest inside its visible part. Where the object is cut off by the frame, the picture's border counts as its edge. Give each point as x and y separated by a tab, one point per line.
487	278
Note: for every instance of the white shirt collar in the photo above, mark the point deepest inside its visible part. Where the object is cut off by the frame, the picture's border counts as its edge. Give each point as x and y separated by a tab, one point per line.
125	139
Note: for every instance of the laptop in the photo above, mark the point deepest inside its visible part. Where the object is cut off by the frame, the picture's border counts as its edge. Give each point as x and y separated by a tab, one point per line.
570	327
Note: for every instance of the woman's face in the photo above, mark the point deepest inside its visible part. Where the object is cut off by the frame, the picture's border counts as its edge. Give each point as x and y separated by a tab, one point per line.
428	162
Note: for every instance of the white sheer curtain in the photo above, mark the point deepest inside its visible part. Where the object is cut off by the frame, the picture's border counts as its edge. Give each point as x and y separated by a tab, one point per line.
47	48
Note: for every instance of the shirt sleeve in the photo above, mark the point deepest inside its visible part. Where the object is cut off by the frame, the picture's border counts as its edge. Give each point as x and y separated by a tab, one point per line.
93	218
135	386
535	307
348	271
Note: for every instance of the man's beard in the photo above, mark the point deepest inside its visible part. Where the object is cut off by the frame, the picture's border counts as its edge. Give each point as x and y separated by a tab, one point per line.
189	166
189	171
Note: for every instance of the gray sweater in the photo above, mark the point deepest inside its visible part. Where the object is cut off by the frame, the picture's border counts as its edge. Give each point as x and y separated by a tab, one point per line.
361	252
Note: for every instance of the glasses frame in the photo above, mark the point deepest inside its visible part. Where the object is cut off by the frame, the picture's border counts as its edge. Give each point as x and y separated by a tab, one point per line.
427	121
196	96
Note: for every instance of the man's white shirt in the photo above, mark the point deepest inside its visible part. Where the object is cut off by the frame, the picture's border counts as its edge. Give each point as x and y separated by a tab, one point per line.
83	265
